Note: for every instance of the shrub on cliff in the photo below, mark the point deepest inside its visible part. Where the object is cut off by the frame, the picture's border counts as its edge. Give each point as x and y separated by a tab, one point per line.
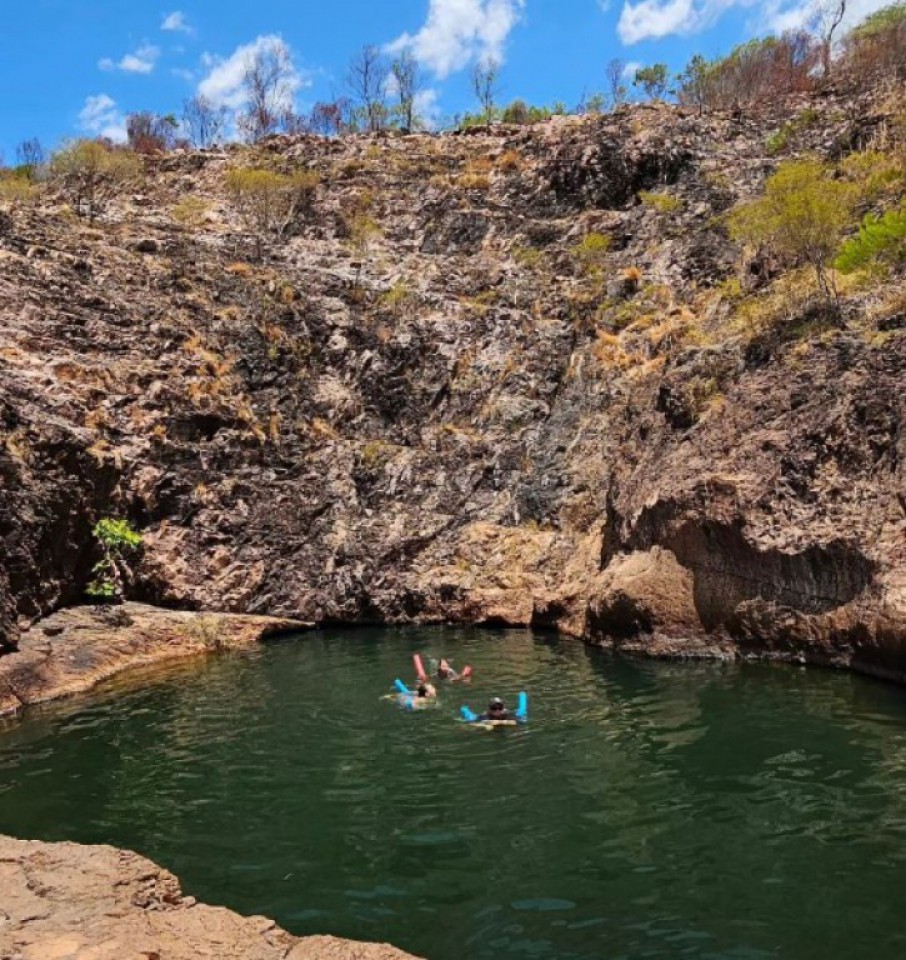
16	190
880	242
591	252
91	172
117	540
800	218
267	202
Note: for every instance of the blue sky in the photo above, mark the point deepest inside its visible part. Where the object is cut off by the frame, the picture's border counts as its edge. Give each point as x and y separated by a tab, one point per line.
77	67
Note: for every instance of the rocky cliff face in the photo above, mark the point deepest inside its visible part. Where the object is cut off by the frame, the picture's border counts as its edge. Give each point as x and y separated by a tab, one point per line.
500	378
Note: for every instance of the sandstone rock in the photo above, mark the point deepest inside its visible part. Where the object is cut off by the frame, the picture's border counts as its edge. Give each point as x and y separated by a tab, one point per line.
78	648
62	901
644	593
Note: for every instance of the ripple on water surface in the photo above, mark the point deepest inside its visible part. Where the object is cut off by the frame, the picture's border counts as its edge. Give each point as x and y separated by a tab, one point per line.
648	810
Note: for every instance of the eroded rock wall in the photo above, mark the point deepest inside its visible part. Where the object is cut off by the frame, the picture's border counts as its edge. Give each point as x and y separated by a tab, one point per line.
465	411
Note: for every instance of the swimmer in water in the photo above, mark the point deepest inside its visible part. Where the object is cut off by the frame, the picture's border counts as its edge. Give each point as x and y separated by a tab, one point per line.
446	672
496	712
425	696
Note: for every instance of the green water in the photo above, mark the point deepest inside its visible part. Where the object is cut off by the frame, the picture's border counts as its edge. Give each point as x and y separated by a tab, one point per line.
648	810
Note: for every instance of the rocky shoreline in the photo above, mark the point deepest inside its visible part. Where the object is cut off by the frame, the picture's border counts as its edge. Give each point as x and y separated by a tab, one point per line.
73	650
64	901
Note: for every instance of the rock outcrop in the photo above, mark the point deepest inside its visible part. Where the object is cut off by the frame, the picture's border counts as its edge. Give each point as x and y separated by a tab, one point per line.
74	650
496	378
62	901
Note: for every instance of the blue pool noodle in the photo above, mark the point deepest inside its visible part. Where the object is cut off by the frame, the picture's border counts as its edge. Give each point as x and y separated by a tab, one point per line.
522	706
401	687
468	715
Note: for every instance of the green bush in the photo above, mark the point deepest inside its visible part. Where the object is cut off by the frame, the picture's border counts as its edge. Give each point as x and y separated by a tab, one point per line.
17	189
518	112
117	539
267	201
662	202
880	240
590	251
91	172
778	141
800	217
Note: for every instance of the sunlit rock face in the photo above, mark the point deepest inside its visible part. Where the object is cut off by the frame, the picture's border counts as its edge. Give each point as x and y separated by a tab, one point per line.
500	378
67	900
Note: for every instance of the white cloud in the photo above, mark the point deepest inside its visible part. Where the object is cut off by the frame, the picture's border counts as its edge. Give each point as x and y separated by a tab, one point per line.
782	16
101	117
651	19
458	31
630	68
142	60
223	85
654	18
176	22
427	108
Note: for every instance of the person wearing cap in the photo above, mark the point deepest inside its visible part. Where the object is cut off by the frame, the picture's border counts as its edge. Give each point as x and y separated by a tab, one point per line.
496	711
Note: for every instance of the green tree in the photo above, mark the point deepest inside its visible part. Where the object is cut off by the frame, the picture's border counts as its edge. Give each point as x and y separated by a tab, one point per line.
117	541
92	172
653	80
593	104
800	218
267	201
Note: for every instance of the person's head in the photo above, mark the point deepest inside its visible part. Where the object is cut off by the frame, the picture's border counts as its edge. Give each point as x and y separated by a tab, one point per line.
422	690
496	706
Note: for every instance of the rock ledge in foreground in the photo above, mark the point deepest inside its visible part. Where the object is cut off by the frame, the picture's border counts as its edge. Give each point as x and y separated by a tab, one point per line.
63	901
